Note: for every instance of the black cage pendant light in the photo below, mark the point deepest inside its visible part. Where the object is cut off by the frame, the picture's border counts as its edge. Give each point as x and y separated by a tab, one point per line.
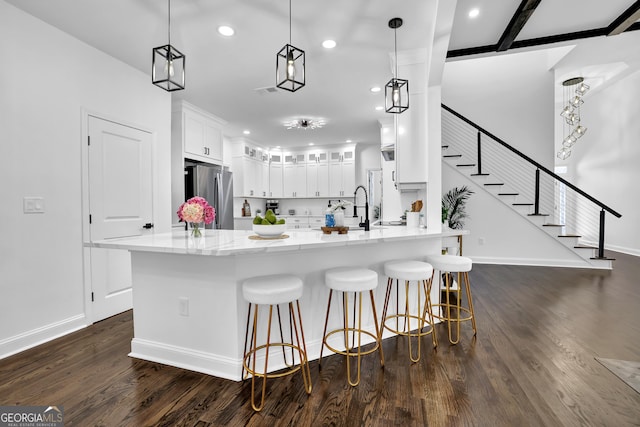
396	91
290	71
167	69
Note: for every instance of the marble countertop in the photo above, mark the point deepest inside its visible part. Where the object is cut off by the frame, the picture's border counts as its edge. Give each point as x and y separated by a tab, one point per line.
237	242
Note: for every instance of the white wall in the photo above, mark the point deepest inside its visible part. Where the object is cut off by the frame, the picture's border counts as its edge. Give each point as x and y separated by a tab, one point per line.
511	96
606	160
49	79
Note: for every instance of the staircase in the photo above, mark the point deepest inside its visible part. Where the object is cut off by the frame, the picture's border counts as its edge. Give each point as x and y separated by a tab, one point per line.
564	212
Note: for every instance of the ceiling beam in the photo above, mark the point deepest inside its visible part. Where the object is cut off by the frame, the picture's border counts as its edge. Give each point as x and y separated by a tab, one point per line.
538	41
519	18
624	21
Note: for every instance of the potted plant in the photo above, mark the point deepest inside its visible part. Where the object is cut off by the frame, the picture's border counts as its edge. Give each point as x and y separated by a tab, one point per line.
453	206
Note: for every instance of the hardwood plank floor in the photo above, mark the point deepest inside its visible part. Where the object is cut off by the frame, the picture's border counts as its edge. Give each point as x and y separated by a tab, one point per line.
532	364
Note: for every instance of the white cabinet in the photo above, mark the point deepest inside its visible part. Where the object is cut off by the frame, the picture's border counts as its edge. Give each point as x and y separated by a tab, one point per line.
247	172
198	132
275	175
294	175
297	222
342	172
262	175
317	174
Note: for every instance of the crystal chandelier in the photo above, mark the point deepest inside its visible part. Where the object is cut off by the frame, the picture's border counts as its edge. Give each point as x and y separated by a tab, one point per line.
572	130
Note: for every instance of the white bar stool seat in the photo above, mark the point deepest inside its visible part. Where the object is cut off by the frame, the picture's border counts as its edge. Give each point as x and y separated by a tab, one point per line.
357	280
447	264
273	290
410	271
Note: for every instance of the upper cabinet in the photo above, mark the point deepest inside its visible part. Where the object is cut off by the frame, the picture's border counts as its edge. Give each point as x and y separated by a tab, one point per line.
342	172
292	174
198	132
318	174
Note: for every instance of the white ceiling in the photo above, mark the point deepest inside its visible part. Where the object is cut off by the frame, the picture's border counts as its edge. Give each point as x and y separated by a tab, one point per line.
223	73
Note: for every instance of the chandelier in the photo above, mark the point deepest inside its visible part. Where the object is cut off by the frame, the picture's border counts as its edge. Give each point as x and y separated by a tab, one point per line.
572	130
304	124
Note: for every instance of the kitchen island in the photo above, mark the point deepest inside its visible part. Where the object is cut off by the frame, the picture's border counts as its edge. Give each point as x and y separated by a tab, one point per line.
188	309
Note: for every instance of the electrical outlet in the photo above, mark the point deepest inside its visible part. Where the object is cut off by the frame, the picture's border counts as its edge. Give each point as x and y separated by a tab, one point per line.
183	306
33	204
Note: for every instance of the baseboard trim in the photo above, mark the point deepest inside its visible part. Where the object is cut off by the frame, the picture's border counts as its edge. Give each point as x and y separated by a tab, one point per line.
198	361
533	262
35	337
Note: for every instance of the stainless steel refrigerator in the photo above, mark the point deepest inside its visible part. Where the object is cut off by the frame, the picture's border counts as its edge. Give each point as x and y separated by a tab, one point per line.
215	184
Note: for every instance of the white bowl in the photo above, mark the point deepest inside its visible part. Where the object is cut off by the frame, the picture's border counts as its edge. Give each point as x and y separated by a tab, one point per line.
274	230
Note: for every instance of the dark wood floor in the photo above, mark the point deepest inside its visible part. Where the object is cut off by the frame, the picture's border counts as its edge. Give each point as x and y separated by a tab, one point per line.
532	364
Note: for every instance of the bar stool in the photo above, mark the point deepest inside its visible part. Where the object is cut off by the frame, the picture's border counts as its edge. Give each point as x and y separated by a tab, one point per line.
357	280
410	271
447	264
274	290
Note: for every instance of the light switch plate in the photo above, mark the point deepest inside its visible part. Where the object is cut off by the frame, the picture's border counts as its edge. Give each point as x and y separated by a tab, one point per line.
33	204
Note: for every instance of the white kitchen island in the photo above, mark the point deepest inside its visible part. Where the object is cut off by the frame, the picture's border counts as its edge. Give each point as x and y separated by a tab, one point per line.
188	309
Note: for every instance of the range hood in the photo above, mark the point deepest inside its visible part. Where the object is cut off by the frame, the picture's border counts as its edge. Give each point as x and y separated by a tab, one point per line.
388	152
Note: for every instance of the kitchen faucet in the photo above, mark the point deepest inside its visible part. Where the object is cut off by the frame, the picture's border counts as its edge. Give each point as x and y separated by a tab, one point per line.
364	224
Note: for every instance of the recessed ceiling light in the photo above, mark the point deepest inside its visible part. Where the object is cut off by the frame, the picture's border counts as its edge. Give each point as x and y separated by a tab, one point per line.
348	140
329	44
379	108
311	143
277	146
226	30
246	132
473	13
375	89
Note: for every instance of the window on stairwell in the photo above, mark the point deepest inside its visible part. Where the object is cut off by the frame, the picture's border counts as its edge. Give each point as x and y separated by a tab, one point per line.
561	196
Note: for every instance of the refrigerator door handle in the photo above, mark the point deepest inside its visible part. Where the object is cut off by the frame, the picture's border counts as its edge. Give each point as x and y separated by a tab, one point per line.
219	201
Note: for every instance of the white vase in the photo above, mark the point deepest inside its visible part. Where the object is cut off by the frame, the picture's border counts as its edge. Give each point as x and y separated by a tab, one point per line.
338	216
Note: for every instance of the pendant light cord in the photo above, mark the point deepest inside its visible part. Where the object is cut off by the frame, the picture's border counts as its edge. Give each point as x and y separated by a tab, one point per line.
169	20
395	48
289	21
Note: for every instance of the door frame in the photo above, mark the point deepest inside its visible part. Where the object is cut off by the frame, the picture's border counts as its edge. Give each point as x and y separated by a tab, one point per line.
86	250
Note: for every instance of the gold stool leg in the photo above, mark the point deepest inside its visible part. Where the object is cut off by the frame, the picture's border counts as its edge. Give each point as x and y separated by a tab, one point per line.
324	333
302	347
408	322
246	336
346	337
470	301
428	310
266	360
378	330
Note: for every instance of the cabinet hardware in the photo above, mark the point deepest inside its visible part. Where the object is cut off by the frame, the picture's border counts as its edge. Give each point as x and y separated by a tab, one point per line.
148	226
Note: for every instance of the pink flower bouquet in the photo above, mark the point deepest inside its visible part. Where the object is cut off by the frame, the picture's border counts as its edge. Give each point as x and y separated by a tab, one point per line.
196	210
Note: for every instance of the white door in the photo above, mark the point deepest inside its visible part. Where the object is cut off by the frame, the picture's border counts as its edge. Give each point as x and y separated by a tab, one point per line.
120	205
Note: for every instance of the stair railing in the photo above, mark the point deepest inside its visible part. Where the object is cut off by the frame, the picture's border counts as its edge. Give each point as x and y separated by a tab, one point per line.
544	189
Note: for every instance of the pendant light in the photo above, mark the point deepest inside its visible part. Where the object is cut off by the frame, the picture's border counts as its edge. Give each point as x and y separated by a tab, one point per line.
290	72
396	91
167	70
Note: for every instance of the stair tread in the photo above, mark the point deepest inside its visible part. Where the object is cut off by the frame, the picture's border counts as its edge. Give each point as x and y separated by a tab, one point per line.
479	174
603	258
521	204
553	225
445	146
508	194
584	247
466	164
495	183
452	155
569	235
538	214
